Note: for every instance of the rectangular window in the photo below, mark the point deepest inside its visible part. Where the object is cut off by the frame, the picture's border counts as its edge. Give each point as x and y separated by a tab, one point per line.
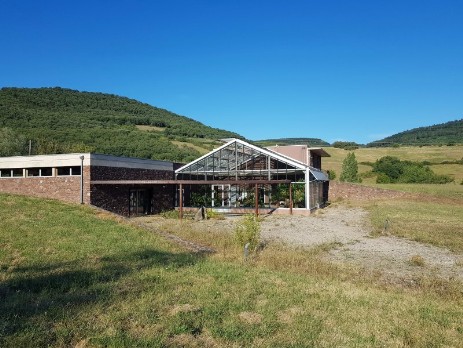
64	171
46	172
75	170
18	173
11	173
33	172
5	173
39	172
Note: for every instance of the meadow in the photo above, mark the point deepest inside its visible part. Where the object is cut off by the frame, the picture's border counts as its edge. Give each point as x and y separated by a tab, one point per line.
73	275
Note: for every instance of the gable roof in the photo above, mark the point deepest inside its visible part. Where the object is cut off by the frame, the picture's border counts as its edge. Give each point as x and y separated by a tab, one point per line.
257	150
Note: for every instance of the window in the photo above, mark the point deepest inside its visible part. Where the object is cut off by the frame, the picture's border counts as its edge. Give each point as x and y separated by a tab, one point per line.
11	173
64	171
5	173
39	172
18	172
33	172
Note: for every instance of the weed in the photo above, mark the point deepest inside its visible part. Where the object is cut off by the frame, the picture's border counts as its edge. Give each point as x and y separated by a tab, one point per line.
170	214
417	260
211	214
248	231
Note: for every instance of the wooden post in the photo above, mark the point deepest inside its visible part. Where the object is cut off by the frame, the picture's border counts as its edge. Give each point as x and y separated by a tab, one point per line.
256	198
290	199
180	200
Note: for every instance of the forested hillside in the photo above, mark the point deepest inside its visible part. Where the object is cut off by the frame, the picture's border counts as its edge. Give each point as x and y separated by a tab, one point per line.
292	141
64	120
440	134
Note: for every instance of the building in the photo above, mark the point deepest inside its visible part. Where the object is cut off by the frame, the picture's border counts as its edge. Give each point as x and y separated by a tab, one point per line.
239	175
235	177
74	178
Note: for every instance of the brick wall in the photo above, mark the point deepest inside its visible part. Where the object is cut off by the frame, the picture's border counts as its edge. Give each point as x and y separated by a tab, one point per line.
64	188
114	198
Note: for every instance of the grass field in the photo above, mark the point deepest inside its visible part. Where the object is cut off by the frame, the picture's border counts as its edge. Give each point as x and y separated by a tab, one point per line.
71	275
433	154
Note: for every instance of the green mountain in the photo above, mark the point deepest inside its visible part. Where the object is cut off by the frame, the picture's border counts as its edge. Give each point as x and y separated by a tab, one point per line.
63	120
439	134
292	141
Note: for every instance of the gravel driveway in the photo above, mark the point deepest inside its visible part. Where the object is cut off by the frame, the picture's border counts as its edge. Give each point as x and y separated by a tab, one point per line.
349	232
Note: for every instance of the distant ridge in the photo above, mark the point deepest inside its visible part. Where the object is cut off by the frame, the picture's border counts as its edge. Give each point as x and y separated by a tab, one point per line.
292	141
64	120
448	133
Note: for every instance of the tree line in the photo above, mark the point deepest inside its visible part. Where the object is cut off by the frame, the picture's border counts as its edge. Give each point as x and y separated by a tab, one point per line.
61	120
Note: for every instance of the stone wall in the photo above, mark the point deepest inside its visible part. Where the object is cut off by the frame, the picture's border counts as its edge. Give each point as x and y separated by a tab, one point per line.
64	188
342	190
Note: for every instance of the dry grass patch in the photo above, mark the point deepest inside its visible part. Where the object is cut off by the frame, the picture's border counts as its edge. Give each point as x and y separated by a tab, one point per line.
250	317
184	144
150	128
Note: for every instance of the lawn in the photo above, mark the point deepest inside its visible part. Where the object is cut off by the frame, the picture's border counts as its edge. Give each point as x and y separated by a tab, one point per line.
72	275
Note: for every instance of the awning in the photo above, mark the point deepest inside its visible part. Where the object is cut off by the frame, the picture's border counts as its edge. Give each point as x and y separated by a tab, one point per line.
319	175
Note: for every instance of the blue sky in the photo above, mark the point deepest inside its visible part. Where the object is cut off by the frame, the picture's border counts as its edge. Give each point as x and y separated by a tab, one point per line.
335	70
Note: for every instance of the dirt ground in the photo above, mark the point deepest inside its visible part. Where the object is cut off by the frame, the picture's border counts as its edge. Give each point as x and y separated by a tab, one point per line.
347	234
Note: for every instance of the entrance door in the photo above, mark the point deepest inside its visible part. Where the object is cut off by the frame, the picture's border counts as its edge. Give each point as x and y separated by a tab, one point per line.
140	202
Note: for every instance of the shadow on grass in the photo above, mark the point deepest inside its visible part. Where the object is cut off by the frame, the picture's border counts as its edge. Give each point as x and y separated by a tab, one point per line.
34	298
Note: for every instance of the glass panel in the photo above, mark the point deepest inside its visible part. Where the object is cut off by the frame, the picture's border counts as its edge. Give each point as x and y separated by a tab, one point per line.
18	173
5	173
75	170
46	172
33	172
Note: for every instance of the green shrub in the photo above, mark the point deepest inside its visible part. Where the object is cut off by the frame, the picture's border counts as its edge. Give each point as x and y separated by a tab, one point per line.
211	214
383	179
248	231
331	174
170	214
393	170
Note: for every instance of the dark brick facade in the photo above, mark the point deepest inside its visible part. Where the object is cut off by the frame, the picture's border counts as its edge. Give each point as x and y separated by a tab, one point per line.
116	198
119	173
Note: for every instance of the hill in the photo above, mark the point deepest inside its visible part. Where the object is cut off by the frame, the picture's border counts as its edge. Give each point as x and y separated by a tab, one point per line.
439	134
292	141
65	120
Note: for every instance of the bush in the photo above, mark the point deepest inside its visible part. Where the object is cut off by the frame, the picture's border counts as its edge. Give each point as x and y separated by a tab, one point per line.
383	179
331	174
248	231
170	214
392	170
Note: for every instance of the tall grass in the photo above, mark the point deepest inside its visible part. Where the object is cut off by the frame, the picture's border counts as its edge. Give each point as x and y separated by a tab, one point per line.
440	224
70	275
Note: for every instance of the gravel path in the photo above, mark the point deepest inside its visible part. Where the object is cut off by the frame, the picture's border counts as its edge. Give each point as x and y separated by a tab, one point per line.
348	231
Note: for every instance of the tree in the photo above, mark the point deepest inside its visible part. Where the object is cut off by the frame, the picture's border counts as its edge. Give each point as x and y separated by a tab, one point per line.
11	144
350	169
